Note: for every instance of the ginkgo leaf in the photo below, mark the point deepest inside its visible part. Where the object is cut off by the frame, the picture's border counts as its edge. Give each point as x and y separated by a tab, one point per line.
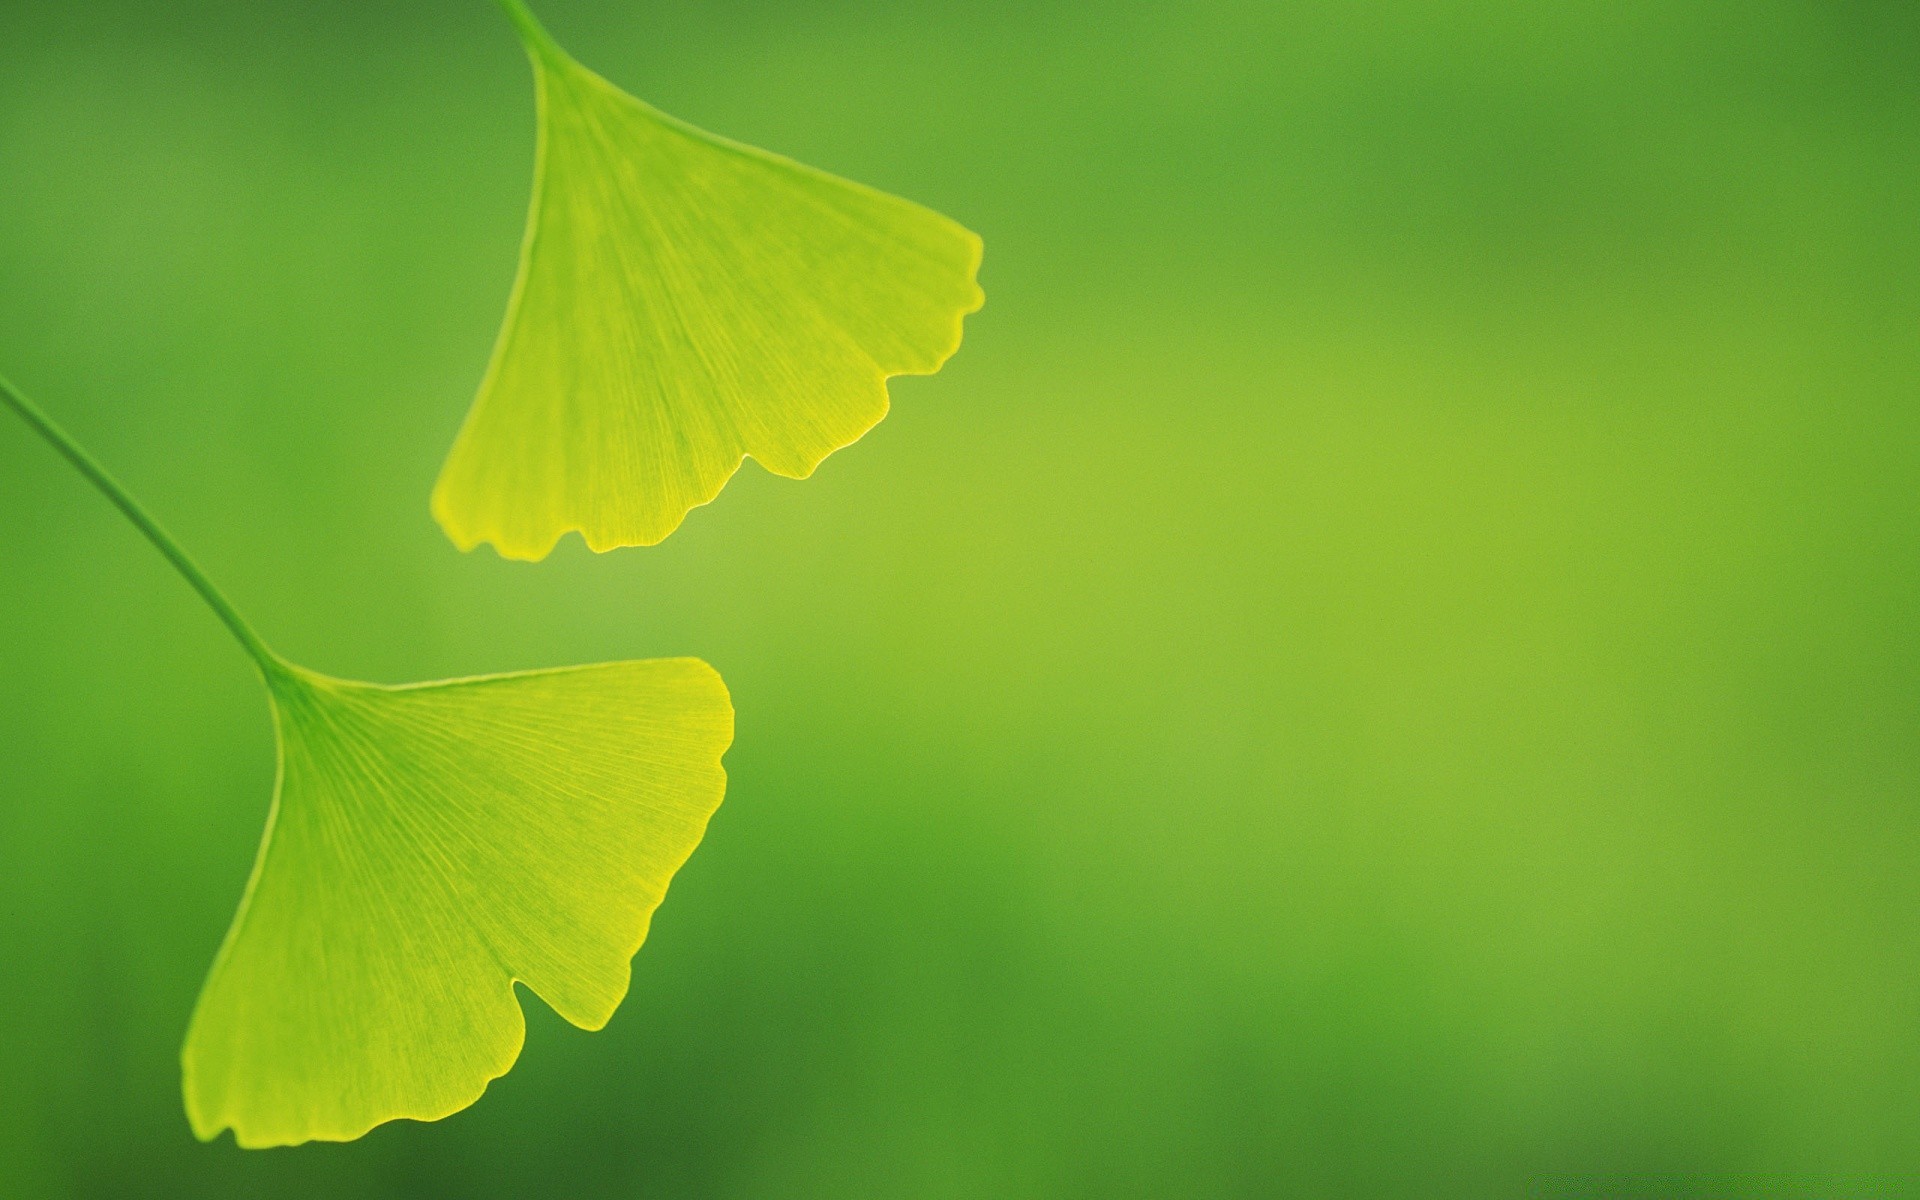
683	302
428	846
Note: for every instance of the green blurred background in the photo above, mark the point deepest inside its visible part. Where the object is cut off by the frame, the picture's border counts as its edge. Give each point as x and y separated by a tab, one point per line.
1386	666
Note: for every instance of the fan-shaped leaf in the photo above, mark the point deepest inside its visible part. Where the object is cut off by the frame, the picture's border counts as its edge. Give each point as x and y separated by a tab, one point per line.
684	301
428	846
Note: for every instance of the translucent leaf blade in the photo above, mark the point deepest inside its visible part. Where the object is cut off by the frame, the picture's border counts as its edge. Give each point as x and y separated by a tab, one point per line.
429	846
683	302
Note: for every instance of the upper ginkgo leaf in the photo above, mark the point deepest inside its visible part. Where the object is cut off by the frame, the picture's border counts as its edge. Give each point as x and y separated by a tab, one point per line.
429	845
685	301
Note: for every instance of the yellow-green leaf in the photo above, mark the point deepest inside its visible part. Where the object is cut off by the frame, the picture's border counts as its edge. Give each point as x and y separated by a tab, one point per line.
683	302
428	846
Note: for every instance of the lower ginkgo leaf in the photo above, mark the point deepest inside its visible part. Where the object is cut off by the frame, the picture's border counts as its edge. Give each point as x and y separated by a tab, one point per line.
430	845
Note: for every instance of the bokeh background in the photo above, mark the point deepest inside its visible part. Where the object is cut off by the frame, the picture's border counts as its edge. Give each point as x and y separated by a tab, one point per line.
1387	666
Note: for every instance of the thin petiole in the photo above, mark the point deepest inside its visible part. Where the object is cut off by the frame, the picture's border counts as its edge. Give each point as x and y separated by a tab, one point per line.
531	31
270	664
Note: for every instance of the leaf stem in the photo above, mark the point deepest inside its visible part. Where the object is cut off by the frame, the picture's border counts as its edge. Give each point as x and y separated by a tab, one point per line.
270	664
533	33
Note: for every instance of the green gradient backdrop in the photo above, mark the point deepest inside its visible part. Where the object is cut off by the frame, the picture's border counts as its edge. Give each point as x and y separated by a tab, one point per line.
1387	665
